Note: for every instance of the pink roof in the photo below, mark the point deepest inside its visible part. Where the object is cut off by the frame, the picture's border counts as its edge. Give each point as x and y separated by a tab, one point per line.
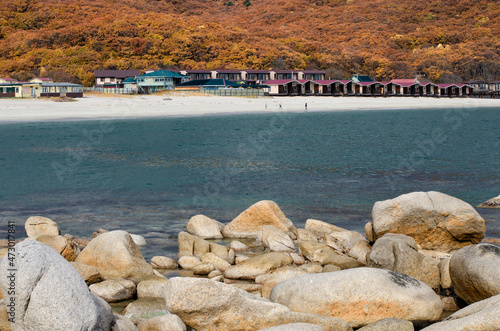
279	81
328	81
404	81
286	81
9	79
444	85
43	79
367	83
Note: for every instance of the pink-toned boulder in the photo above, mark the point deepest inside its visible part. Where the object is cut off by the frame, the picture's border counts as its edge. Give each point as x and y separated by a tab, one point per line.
250	222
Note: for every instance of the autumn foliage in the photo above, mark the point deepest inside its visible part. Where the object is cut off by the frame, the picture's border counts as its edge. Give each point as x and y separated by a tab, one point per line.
443	40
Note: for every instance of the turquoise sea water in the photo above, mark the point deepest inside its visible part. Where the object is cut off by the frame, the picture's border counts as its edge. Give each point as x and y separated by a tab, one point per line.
149	176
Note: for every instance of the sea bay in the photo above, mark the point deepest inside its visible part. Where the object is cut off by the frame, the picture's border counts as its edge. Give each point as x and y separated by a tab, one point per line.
149	176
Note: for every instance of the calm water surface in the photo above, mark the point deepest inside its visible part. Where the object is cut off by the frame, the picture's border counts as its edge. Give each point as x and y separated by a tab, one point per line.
150	176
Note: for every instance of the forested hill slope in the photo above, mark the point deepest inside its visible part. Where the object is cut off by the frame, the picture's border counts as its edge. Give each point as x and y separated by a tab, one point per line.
445	40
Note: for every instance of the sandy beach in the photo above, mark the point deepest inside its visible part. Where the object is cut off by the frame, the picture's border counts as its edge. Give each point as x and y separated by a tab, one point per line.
110	106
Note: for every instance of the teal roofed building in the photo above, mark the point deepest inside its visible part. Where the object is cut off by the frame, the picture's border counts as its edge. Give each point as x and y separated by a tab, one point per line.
159	80
361	79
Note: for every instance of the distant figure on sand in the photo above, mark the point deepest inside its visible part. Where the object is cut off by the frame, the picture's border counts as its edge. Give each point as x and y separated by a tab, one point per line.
306	106
280	105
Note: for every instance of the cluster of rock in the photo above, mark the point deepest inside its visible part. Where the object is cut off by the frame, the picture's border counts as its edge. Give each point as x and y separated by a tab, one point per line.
420	255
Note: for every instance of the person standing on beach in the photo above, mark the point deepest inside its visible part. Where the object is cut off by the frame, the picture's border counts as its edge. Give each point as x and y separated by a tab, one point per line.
306	106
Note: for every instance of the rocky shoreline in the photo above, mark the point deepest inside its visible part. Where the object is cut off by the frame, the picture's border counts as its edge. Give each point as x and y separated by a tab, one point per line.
420	259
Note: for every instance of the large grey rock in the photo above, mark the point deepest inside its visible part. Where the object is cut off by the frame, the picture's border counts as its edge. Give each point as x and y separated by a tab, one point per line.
480	316
475	272
492	203
398	252
320	228
360	296
207	305
276	240
116	255
435	220
49	292
169	322
41	226
204	227
295	327
258	265
250	222
389	324
114	290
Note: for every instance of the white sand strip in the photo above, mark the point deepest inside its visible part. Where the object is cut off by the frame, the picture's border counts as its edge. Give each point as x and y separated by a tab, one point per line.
191	104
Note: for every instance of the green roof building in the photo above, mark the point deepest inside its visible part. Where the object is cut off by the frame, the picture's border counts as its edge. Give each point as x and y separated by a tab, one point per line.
361	79
159	80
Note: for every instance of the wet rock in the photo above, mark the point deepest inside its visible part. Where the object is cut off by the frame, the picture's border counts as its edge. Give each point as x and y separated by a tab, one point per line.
492	203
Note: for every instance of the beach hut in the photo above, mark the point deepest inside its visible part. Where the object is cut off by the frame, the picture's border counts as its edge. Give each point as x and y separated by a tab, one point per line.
329	87
369	88
8	90
69	90
286	86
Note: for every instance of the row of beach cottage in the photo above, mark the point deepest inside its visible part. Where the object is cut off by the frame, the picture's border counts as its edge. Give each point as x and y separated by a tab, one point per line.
279	83
243	82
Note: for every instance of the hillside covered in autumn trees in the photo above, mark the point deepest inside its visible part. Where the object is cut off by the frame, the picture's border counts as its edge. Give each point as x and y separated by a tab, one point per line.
442	40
